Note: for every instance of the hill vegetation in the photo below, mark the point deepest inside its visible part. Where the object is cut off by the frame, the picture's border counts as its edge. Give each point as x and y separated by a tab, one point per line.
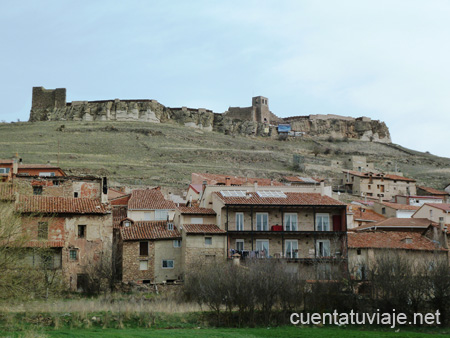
166	154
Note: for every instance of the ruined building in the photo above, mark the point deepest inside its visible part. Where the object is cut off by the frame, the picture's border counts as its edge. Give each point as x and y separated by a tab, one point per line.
51	105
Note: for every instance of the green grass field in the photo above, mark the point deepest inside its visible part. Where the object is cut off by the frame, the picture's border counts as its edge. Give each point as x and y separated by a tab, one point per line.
288	331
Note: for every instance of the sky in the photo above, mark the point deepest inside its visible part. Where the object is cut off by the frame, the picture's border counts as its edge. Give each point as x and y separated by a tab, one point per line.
388	60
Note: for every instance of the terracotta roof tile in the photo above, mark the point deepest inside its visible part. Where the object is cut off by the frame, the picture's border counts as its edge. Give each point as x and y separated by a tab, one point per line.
61	205
442	206
363	214
433	191
7	192
298	179
121	200
202	229
149	199
292	198
219	179
196	211
148	230
390	240
397	223
398	206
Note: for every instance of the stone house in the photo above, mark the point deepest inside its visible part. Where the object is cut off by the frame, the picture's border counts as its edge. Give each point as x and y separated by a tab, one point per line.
376	185
151	252
397	210
79	231
439	194
418	201
436	212
150	205
365	247
359	214
202	240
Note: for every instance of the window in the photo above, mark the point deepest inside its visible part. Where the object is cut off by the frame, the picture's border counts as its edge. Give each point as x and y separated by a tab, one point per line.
73	255
177	243
291	248
197	220
323	248
322	222
4	170
169	226
143	265
262	248
208	240
81	231
431	214
75	194
369	187
147	216
143	248
383	211
47	174
240	245
127	223
161	215
55	182
290	222
239	221
37	190
358	251
43	230
167	263
262	221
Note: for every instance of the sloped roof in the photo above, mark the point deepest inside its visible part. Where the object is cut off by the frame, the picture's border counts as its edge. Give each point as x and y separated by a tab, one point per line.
298	179
442	206
202	229
398	206
196	211
219	179
150	230
292	198
60	205
114	193
196	187
433	191
120	200
390	240
397	223
149	199
368	215
376	175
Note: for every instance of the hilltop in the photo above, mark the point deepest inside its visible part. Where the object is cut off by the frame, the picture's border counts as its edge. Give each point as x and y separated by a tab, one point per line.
166	154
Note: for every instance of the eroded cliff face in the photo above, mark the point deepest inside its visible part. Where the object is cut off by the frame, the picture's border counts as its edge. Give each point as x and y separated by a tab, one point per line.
362	128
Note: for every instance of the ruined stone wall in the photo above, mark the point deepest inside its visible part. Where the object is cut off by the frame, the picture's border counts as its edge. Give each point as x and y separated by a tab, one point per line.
43	98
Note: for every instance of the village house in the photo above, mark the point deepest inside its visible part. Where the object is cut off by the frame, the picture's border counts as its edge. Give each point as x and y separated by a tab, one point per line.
438	194
398	224
397	210
151	252
359	214
376	185
418	201
436	212
202	240
11	167
150	205
366	247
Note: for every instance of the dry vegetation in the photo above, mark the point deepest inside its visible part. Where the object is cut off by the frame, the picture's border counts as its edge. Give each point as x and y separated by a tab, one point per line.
166	154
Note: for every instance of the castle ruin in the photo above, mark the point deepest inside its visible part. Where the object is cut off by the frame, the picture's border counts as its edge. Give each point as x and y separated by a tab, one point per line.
51	105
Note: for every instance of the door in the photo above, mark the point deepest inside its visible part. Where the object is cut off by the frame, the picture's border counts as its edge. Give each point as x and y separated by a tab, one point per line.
337	223
262	248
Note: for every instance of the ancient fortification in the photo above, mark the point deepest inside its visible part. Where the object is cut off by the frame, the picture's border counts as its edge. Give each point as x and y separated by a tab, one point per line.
51	105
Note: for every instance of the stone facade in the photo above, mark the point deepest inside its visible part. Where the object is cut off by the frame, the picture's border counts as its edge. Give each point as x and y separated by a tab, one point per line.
131	261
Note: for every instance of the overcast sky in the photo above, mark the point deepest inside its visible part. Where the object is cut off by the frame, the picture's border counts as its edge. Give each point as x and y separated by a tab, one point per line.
388	60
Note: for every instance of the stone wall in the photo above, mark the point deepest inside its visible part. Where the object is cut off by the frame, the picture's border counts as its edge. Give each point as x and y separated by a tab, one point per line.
131	259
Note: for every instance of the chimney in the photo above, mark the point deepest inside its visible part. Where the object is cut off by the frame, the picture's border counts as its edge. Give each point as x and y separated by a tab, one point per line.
380	199
227	181
15	164
256	185
441	223
322	188
236	259
204	185
104	190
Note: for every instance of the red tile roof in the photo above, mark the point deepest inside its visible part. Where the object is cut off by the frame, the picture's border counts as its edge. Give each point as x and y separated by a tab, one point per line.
202	229
442	206
196	211
60	205
196	187
113	194
219	179
397	223
390	240
148	230
292	198
149	199
363	214
121	200
398	206
433	191
379	176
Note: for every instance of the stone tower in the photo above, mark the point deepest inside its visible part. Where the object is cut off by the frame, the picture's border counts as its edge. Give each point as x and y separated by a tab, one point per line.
260	105
48	98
